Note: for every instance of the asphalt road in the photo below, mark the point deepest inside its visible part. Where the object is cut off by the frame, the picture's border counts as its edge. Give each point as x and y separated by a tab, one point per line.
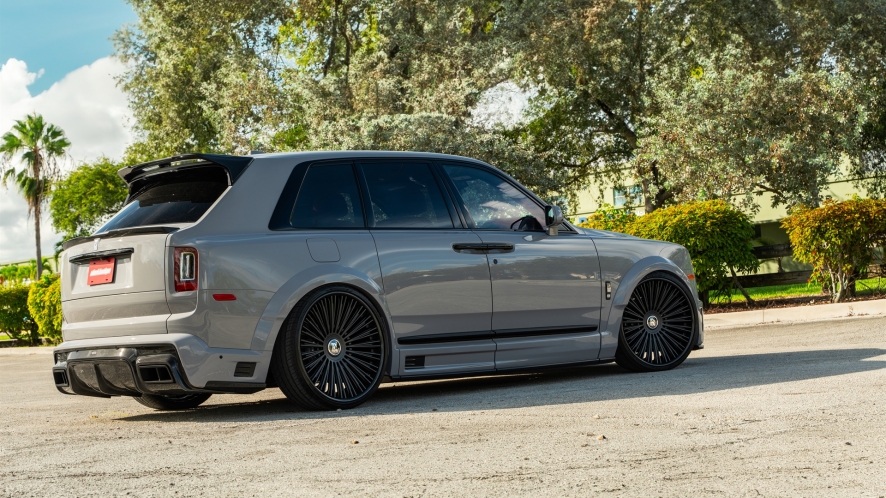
775	410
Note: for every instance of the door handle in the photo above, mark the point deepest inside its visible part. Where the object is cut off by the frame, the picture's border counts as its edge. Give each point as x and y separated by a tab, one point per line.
468	246
494	246
500	246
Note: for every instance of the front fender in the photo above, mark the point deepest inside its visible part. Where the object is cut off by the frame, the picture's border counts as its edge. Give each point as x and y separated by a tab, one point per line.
621	294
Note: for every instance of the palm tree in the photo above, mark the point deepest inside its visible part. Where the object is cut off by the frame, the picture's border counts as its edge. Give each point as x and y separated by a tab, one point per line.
41	145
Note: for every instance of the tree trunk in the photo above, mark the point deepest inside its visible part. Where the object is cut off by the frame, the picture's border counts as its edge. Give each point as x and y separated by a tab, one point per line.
740	288
37	234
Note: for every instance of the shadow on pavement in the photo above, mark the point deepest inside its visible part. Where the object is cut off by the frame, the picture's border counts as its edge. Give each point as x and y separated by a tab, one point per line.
553	387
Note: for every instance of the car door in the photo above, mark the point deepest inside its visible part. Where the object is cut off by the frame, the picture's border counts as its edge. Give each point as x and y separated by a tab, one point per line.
436	279
546	290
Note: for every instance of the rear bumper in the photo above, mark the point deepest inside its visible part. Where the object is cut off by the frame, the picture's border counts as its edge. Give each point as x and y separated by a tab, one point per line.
164	364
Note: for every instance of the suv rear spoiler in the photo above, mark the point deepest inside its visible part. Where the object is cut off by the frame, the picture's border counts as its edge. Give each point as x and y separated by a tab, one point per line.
233	164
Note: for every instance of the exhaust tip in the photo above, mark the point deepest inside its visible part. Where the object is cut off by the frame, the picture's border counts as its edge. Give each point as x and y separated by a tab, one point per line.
155	374
61	378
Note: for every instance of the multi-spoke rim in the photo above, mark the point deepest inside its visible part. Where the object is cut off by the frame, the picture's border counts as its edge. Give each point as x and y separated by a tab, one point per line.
341	346
658	322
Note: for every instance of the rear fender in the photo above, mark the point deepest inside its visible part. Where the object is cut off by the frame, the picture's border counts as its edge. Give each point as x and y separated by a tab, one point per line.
303	283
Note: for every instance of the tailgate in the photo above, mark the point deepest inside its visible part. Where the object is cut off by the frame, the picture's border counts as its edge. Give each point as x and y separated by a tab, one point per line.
129	295
139	265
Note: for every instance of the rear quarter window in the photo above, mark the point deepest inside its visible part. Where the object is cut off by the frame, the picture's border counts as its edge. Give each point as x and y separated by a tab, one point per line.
181	196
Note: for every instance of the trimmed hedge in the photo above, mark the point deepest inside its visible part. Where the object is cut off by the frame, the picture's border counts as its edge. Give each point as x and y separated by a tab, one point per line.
15	318
716	234
45	304
838	239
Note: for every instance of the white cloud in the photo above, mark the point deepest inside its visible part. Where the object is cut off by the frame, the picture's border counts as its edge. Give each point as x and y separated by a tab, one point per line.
92	111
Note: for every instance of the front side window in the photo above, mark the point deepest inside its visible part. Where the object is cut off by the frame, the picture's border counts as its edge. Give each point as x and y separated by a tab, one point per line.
493	202
405	195
328	198
177	196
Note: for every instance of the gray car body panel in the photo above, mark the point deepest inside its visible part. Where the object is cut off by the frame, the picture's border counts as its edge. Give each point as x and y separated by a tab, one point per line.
421	286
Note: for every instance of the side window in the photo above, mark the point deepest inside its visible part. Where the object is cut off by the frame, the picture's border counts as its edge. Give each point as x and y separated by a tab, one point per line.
405	195
494	203
328	198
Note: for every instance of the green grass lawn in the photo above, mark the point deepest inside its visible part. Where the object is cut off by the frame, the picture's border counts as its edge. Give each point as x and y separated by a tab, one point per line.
4	337
866	287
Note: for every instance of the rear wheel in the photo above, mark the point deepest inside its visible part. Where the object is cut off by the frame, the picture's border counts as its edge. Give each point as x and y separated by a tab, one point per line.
183	402
658	327
331	350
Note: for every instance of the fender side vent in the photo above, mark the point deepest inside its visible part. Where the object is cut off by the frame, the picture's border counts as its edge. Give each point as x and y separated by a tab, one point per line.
415	362
244	369
155	374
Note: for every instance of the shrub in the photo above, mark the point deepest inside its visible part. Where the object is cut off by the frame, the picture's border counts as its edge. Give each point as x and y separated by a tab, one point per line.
716	234
45	304
15	318
610	218
838	239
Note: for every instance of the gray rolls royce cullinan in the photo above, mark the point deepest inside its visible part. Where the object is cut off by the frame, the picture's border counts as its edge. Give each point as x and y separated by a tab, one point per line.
328	273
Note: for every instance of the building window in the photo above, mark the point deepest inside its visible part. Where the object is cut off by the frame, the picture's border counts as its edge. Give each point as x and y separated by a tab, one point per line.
629	196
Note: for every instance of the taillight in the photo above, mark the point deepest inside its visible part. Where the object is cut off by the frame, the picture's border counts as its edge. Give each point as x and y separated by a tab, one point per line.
184	269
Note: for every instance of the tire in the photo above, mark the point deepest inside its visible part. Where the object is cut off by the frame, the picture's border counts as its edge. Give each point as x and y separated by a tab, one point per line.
183	402
331	350
659	325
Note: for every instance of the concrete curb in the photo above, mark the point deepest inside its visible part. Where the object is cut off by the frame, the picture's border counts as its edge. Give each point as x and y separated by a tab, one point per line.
815	313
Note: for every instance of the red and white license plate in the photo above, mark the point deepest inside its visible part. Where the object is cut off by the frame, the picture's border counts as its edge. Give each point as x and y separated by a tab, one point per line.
101	271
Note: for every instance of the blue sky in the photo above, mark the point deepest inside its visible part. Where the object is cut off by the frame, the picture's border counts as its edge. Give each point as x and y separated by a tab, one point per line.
59	36
55	62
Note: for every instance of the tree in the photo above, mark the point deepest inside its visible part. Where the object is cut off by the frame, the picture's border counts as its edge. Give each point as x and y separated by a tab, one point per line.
729	132
40	145
621	82
87	197
322	74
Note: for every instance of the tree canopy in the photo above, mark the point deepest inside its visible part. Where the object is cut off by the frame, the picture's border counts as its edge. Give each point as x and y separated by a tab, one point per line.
687	99
87	198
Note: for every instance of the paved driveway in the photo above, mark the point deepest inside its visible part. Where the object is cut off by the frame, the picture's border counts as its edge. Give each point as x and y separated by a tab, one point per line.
775	410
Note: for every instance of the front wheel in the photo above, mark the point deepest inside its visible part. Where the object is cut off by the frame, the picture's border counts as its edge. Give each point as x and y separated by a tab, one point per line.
330	352
183	402
658	327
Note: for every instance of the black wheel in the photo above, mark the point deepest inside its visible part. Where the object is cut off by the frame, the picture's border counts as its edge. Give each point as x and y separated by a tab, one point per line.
182	402
658	326
331	350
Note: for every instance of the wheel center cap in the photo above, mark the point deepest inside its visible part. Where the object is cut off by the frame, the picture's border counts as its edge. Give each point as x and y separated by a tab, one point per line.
652	322
334	347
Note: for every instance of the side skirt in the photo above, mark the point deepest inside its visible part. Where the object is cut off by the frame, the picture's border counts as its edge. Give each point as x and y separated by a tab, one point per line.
497	372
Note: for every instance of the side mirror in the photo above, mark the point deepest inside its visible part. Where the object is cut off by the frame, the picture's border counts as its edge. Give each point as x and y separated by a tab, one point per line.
553	218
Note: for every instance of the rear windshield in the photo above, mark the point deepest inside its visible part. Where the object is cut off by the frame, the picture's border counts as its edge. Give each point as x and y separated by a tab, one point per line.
173	197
